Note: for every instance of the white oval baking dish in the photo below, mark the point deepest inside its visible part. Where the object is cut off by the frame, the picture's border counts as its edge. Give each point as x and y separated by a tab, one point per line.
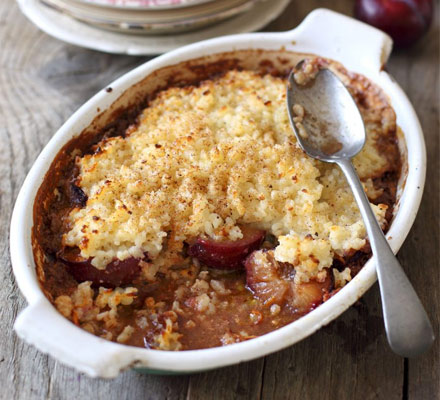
359	48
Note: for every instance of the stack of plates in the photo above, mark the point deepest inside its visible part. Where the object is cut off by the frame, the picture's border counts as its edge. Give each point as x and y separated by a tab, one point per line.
55	21
150	17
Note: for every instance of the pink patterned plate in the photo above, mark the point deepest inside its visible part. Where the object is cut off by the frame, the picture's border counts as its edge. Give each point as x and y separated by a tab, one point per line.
145	4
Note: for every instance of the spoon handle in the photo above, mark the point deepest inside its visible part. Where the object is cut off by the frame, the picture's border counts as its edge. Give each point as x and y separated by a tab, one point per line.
407	325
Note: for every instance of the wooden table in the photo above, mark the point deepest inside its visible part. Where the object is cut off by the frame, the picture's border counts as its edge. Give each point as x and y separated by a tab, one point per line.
43	80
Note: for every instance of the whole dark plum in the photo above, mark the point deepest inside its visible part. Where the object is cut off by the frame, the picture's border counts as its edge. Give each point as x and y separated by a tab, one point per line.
406	21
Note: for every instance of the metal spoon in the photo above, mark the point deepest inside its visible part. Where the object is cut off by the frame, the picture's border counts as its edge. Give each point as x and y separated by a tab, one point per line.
333	131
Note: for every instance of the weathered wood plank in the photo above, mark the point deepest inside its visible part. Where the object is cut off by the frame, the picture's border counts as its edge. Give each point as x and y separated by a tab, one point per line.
18	149
66	383
420	254
242	381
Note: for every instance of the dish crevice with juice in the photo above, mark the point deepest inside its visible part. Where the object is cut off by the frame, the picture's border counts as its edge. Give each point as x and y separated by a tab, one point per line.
192	219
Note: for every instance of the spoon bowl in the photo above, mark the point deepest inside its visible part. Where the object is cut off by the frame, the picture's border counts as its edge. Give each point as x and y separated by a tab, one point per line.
332	120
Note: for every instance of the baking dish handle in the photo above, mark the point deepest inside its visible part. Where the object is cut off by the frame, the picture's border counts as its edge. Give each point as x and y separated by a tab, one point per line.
41	325
357	45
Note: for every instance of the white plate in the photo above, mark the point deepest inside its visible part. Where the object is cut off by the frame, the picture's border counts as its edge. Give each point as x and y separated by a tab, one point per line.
69	30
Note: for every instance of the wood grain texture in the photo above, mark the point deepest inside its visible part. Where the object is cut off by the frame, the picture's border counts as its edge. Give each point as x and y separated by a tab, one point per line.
420	254
43	81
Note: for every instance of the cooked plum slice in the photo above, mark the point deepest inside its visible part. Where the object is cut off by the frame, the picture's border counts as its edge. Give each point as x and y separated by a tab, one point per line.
263	278
116	273
272	282
306	296
227	254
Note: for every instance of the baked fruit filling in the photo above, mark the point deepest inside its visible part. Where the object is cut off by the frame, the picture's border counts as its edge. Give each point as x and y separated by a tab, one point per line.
203	223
